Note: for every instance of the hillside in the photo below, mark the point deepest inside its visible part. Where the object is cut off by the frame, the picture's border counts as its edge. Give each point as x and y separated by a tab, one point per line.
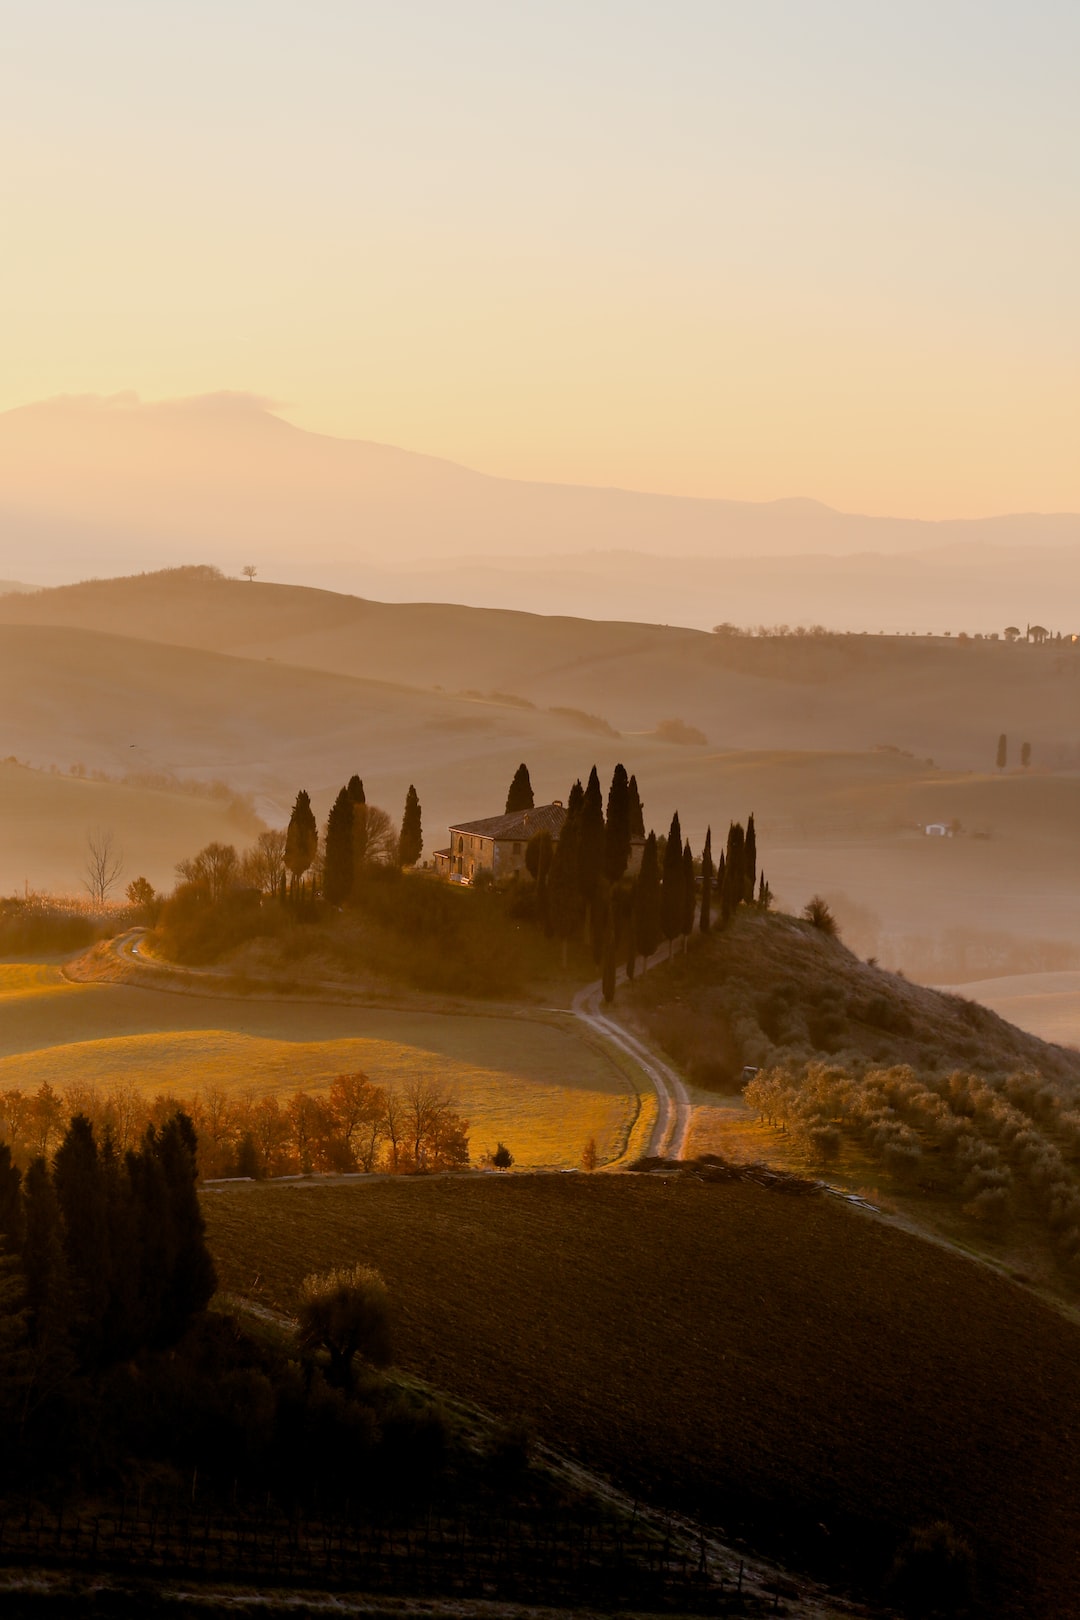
48	817
842	746
785	1367
945	700
954	1118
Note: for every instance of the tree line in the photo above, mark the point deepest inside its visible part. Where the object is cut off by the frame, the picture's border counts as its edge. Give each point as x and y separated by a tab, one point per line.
102	1256
584	885
353	1126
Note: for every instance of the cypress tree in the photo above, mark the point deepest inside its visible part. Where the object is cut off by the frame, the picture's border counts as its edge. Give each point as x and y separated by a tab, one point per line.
191	1277
355	789
576	800
592	840
749	860
1002	752
302	838
80	1193
647	900
520	794
671	892
636	813
705	922
599	913
688	890
11	1214
47	1296
338	850
121	1335
617	831
564	880
411	841
764	894
734	881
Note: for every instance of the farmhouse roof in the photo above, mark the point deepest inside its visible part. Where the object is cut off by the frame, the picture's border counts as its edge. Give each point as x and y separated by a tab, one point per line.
518	824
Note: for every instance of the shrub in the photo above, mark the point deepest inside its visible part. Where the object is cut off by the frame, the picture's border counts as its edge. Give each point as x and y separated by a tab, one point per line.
817	913
502	1158
346	1313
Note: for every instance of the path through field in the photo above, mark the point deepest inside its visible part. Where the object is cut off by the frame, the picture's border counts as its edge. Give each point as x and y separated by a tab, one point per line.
675	1112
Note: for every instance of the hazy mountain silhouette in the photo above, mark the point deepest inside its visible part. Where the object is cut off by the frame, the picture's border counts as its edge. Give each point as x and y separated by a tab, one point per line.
92	486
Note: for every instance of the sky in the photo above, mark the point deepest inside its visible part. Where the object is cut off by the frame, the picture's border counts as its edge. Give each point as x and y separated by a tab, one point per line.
787	249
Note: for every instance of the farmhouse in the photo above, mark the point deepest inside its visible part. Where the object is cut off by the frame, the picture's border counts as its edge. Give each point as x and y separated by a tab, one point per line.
497	844
937	829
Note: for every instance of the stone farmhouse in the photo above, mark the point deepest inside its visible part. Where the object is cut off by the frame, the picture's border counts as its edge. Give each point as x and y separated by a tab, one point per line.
497	843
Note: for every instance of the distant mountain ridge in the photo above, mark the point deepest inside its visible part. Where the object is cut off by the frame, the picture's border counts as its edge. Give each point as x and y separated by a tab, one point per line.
93	486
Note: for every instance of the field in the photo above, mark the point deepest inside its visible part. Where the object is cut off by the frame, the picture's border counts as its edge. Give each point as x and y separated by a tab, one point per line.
536	1083
783	1366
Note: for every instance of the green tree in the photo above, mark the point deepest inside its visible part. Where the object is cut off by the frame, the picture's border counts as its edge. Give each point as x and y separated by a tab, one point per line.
636	813
734	889
565	909
617	828
688	890
411	841
346	1312
591	859
301	839
338	850
705	922
192	1278
80	1193
11	1212
1002	752
520	793
1025	755
749	859
141	895
647	900
539	853
671	888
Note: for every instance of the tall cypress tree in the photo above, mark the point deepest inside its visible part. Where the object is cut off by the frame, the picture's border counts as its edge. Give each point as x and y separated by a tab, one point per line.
575	800
355	789
47	1295
11	1214
80	1193
647	900
302	838
688	890
520	794
564	880
1002	752
705	922
411	841
15	1361
636	812
749	860
734	878
338	850
592	839
192	1278
671	892
617	830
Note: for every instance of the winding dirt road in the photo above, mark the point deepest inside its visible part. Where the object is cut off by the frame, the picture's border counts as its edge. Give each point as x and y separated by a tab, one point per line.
676	1111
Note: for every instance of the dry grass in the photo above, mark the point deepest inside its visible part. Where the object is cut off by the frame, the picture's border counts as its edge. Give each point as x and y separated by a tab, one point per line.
536	1084
787	1367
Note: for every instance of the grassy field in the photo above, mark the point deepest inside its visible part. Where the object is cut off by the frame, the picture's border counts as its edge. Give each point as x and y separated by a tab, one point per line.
538	1084
784	1366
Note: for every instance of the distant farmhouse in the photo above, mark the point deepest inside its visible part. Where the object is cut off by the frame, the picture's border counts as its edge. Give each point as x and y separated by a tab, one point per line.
497	844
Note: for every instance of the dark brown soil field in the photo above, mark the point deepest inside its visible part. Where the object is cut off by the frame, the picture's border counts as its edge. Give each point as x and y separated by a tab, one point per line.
786	1367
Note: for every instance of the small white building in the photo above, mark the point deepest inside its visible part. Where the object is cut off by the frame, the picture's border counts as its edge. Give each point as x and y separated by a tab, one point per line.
937	829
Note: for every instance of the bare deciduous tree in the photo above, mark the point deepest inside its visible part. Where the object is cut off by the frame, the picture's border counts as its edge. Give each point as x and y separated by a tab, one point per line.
249	571
103	866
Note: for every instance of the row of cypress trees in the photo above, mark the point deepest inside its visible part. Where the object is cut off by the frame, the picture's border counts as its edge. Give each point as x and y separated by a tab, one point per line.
582	879
352	828
102	1256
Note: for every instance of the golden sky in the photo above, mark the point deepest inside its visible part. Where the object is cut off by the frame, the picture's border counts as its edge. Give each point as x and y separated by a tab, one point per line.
699	247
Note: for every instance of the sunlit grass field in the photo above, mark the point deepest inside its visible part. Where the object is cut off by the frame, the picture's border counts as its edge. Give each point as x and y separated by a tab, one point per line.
536	1084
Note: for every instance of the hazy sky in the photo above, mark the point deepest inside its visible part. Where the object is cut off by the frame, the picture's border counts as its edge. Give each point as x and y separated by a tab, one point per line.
815	247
